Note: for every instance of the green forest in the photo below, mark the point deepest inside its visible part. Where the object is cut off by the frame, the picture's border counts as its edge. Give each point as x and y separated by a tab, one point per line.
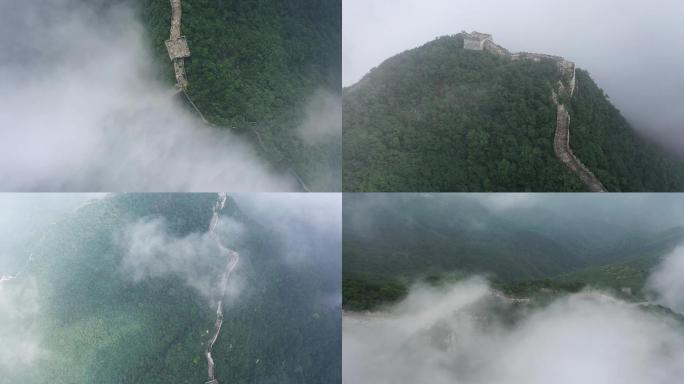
101	327
392	241
440	118
256	67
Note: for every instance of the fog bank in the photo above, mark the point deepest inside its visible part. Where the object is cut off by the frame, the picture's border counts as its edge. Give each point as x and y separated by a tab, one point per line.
667	281
81	110
196	260
460	334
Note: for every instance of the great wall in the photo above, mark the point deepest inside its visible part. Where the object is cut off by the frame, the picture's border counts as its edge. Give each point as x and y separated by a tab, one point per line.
177	46
178	50
233	259
566	85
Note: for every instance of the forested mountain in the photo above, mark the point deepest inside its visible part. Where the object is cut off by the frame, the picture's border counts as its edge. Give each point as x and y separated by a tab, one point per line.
441	118
391	241
264	69
97	319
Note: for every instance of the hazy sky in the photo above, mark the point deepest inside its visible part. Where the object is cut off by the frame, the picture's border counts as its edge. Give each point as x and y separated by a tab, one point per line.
631	48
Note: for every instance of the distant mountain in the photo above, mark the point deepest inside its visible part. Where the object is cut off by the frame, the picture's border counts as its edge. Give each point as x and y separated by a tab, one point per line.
443	118
100	324
260	67
393	241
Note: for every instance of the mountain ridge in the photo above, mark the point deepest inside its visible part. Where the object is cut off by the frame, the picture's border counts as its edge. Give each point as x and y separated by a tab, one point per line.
443	118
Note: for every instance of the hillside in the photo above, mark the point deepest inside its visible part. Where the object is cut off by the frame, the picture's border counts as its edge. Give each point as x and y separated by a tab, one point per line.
392	241
99	321
442	118
264	69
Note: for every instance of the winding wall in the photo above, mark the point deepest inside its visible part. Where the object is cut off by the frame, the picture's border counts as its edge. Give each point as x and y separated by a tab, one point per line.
561	146
177	47
561	141
233	259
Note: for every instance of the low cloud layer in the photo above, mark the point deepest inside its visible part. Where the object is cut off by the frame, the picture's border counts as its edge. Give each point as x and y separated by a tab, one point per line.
667	281
305	229
21	342
151	251
81	111
25	217
461	334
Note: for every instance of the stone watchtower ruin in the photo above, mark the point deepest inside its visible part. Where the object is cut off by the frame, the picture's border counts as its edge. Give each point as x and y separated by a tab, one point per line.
475	41
177	45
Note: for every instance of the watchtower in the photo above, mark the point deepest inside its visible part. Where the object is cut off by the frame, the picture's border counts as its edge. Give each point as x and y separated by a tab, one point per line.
475	41
178	48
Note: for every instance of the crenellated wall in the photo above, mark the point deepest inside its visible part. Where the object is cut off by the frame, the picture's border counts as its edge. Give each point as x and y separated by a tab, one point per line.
177	45
564	87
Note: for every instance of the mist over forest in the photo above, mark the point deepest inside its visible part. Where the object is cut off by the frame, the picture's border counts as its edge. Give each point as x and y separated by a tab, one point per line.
88	104
129	287
627	46
513	288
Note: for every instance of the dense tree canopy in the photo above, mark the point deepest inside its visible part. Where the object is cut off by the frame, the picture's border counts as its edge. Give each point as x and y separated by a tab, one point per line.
394	241
256	67
440	118
101	326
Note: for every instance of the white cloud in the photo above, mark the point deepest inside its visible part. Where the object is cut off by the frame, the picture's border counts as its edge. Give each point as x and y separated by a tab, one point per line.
20	340
196	260
667	281
81	111
461	334
307	225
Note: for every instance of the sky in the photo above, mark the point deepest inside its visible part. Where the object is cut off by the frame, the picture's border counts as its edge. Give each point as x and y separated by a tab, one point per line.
629	47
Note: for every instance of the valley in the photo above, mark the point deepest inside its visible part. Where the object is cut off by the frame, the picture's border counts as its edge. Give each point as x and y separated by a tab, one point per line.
156	288
512	288
461	113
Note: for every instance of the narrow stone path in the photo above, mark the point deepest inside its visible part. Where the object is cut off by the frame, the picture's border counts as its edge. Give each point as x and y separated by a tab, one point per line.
233	259
178	50
561	146
561	141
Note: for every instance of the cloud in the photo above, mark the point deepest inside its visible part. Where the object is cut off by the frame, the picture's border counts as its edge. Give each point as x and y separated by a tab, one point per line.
499	202
152	252
21	342
667	281
25	217
466	334
323	119
82	111
307	226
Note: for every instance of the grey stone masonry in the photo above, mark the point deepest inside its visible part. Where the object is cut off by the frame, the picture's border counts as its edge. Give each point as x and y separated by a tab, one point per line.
565	87
177	45
475	41
178	48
